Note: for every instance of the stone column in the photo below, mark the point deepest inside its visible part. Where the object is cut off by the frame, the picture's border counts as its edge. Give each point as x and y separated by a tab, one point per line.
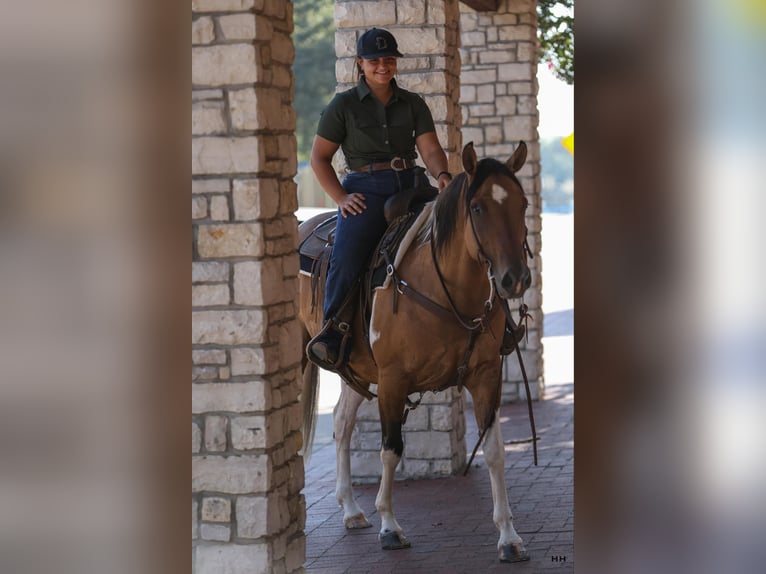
428	35
498	97
248	513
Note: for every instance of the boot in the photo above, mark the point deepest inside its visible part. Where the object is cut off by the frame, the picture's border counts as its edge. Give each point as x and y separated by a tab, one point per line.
331	347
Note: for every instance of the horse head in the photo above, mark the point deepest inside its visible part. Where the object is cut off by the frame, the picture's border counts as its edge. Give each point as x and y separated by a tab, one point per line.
495	229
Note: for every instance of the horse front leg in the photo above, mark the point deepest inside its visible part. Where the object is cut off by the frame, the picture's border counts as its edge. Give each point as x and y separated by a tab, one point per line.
510	546
344	418
391	411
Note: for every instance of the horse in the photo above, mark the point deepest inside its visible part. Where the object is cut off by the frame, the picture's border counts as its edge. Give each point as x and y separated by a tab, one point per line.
453	280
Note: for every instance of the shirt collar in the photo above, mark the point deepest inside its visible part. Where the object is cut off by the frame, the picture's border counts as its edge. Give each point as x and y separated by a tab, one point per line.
363	90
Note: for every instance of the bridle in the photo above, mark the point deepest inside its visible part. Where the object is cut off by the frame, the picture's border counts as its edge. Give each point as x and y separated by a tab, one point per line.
474	326
480	323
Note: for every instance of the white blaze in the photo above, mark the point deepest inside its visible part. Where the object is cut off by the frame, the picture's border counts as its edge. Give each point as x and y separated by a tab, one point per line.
499	194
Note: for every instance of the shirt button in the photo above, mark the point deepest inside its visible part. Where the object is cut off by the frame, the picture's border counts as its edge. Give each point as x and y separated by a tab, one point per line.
386	141
385	125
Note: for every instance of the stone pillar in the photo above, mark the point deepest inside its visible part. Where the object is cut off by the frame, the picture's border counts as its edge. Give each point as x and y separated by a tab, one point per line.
427	33
498	96
248	513
428	36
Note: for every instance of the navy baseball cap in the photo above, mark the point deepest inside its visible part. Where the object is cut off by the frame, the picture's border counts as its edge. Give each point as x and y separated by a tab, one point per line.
377	43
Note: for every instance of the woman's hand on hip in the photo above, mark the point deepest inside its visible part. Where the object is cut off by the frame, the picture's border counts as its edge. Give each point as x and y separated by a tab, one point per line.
352	204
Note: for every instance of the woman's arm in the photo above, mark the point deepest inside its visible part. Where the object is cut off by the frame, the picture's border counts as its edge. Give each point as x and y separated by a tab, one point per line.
322	152
434	157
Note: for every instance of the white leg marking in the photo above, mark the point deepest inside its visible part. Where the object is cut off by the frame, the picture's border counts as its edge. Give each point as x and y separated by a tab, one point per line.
499	194
494	454
384	502
344	416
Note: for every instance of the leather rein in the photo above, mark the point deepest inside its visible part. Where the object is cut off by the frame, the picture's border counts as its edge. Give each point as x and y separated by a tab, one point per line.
474	326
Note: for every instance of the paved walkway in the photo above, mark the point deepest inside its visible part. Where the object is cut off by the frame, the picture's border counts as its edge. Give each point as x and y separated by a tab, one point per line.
449	520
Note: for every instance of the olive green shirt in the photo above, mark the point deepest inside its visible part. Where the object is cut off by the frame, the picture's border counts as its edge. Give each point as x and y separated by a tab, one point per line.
369	132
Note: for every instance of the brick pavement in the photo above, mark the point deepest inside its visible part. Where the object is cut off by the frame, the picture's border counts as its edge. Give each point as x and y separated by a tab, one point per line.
449	520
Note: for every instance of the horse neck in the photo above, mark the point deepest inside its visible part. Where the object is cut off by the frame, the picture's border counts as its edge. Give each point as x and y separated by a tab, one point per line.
465	278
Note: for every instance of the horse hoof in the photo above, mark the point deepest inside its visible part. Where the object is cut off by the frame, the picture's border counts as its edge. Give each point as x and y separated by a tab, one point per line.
514	552
393	540
355	522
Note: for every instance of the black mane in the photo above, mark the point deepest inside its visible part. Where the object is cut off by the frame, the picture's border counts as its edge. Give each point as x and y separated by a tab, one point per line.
445	211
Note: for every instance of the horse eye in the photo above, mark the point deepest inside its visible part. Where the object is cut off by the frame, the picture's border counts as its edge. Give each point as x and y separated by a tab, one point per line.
476	208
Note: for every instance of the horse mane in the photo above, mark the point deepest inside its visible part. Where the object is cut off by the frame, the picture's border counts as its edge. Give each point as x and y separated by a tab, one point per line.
443	222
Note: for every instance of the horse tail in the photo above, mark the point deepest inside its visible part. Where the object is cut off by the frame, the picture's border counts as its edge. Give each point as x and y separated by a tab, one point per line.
309	395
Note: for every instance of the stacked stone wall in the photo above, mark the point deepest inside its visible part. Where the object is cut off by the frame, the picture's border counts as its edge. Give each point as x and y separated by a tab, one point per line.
434	439
498	97
428	36
248	513
427	33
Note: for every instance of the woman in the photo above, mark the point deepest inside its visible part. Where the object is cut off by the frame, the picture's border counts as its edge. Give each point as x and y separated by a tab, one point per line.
379	126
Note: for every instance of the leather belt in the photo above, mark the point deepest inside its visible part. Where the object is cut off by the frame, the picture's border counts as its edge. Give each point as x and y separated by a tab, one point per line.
397	164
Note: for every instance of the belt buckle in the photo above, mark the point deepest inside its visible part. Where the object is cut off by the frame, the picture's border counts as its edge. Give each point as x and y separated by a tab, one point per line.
393	164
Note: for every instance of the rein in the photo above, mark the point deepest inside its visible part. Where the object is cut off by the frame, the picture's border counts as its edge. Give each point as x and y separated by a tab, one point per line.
478	322
509	318
474	326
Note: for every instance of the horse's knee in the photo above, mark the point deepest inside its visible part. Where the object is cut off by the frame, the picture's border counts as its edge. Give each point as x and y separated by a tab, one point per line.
392	442
494	452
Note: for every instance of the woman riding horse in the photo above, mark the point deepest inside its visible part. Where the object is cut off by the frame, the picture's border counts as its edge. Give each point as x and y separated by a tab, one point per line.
378	125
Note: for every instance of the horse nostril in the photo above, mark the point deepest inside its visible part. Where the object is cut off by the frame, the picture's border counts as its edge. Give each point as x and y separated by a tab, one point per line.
526	278
507	281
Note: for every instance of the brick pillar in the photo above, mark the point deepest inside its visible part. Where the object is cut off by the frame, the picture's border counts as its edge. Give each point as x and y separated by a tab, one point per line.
248	513
428	35
498	96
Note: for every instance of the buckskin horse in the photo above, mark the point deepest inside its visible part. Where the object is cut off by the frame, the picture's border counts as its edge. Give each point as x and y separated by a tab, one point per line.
452	281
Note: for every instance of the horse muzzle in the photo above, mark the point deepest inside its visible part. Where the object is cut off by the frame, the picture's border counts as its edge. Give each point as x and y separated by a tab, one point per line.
512	285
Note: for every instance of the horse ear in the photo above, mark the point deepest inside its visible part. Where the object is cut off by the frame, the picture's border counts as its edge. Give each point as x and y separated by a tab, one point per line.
469	159
518	158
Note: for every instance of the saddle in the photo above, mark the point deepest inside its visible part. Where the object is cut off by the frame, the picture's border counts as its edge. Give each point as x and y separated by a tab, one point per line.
400	211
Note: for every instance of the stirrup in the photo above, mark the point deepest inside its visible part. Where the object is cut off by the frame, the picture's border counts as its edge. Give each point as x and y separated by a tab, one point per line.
322	360
328	362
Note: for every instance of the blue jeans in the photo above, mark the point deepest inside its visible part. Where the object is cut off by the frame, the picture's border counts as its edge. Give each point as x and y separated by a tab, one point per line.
356	236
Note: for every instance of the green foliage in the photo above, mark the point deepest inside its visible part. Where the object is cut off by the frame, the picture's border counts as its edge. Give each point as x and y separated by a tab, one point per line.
555	21
314	67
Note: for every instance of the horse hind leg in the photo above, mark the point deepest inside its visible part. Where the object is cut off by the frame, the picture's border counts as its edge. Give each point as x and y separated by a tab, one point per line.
510	546
344	416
